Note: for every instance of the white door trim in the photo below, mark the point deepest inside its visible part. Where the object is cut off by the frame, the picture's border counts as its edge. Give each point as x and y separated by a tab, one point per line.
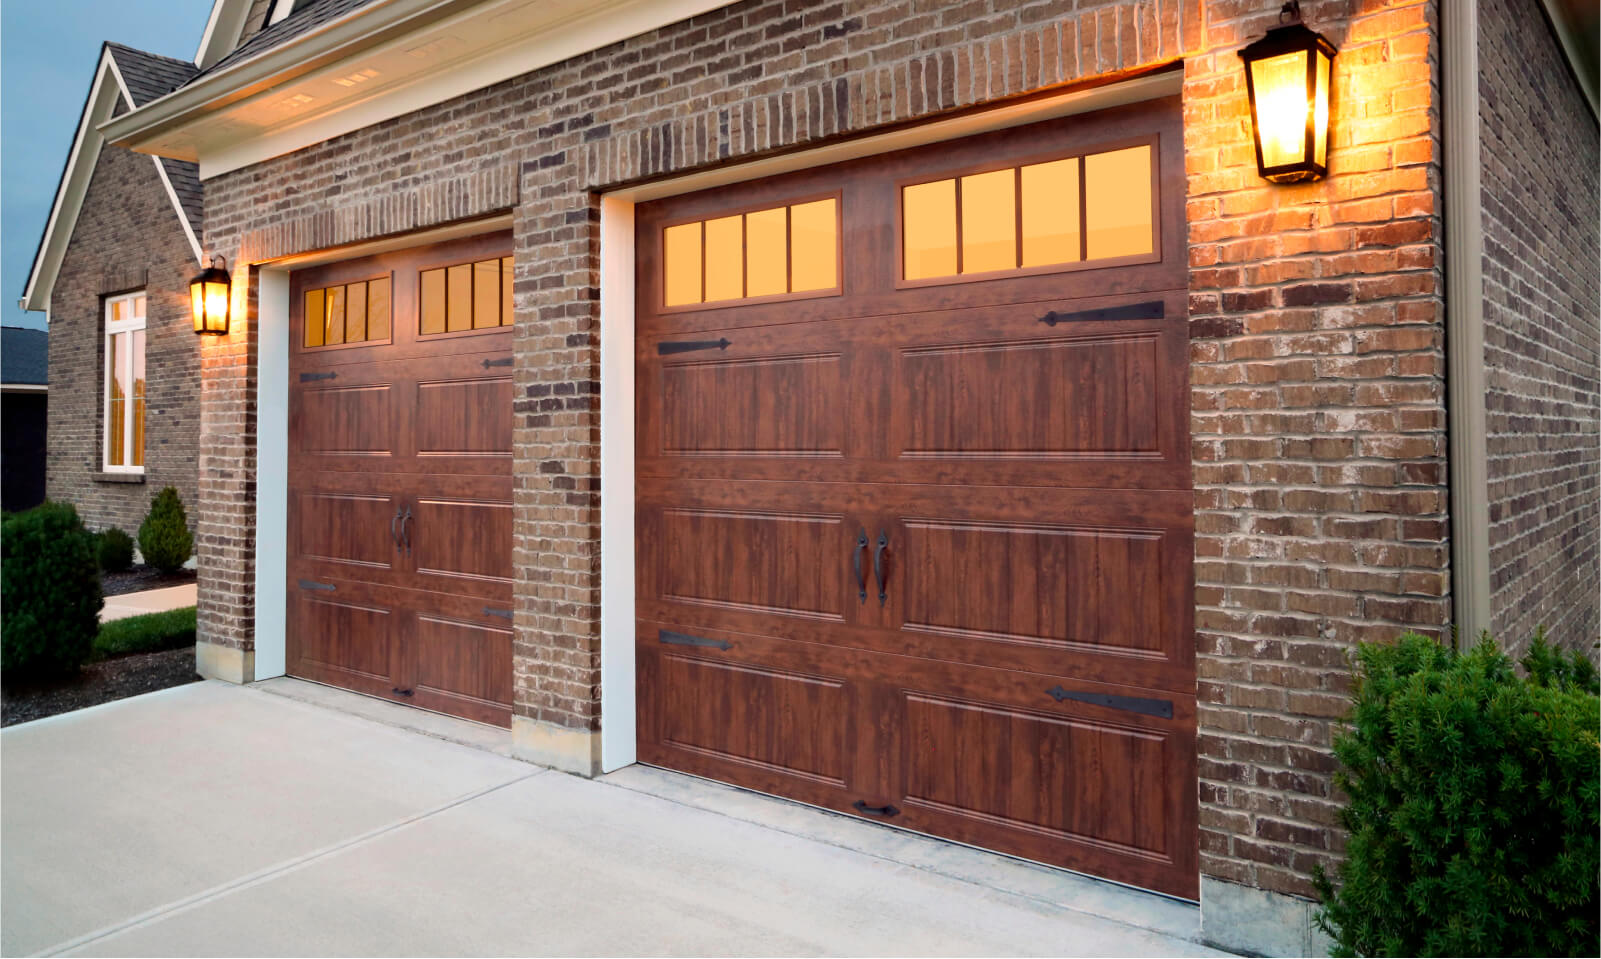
618	709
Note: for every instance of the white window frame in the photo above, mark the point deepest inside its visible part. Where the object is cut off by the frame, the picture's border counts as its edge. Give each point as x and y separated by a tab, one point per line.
114	328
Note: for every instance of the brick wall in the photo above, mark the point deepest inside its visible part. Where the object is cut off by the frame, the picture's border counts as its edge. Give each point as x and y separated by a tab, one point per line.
128	235
1318	417
1318	407
1542	306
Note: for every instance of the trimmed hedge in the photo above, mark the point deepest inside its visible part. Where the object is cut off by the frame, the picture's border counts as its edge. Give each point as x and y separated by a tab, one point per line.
114	549
1473	814
164	537
50	582
150	632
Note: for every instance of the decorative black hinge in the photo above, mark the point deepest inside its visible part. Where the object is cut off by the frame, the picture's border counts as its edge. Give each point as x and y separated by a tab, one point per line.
402	692
503	361
886	811
684	639
308	377
1145	707
690	346
313	584
1153	310
502	613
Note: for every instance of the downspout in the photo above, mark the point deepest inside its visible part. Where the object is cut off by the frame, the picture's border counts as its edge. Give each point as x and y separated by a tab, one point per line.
1464	322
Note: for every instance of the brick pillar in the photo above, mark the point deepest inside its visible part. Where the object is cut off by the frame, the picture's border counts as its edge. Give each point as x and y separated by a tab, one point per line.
1318	422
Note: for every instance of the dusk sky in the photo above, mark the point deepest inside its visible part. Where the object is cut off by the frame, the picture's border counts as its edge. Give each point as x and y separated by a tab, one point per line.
48	52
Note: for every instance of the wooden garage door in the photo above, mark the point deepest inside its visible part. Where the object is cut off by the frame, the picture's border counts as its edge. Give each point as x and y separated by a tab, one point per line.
914	526
400	536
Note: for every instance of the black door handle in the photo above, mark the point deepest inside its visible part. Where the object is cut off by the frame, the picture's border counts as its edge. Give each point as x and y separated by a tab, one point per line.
878	564
405	530
856	563
394	535
885	811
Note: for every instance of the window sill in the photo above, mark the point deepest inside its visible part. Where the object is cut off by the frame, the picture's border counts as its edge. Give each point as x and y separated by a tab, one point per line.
119	477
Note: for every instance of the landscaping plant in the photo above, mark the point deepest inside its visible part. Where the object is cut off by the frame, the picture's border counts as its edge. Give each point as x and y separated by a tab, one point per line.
50	584
147	633
115	550
164	537
1473	812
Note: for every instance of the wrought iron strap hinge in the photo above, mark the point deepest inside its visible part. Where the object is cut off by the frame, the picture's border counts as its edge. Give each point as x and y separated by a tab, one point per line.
503	361
1153	310
313	584
1162	708
502	613
690	346
684	639
308	377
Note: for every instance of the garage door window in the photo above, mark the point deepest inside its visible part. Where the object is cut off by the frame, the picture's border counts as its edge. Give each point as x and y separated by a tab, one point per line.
776	251
466	297
348	314
1040	217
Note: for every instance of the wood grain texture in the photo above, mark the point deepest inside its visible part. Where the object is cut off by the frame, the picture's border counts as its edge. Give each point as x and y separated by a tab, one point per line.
1024	459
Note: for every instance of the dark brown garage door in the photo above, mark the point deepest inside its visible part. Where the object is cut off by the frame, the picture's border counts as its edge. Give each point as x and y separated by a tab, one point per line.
400	539
914	504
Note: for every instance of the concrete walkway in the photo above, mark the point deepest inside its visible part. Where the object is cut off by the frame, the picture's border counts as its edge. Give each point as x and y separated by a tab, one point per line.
148	601
217	820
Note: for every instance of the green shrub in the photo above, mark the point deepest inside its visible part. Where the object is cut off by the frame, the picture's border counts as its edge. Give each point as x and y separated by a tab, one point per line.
1473	805
169	629
115	550
164	535
50	582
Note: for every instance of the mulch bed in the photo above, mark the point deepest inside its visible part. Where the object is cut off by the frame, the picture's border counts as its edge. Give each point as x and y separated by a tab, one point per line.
142	578
99	682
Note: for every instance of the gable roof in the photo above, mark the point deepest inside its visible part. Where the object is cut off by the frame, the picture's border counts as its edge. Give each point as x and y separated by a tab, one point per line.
123	76
305	15
24	356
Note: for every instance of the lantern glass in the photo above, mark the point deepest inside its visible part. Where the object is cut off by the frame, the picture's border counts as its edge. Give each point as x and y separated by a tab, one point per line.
208	300
1287	79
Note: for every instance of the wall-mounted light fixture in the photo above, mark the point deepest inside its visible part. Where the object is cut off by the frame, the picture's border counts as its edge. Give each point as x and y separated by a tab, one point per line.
1287	78
209	296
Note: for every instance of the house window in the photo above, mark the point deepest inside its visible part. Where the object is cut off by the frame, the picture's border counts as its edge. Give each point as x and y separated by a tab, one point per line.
771	252
465	297
125	383
1040	217
348	313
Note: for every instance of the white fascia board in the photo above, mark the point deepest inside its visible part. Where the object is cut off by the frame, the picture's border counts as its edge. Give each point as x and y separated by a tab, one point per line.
223	27
374	28
74	183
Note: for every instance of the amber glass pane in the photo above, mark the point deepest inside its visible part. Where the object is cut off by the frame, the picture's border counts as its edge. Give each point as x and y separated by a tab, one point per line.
355	313
378	309
681	250
136	355
1050	213
766	253
814	246
928	215
459	297
1117	201
1281	107
725	258
1320	109
312	320
507	310
139	306
117	396
989	221
486	294
333	315
433	301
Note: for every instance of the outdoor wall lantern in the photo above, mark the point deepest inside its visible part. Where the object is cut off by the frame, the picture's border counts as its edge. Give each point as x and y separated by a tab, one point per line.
208	295
1287	78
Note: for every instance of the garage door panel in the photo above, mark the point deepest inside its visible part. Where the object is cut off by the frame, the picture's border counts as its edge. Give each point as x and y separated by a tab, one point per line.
348	420
463	667
1046	585
345	641
466	418
461	540
783	405
345	529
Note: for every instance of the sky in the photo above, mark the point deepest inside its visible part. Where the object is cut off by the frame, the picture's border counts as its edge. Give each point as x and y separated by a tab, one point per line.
48	53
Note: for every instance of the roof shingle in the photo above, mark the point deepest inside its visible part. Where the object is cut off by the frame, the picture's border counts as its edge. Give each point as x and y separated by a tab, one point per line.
24	356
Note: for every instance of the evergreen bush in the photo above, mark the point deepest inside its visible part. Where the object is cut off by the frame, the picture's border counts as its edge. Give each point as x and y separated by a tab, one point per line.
1473	812
164	537
114	550
50	584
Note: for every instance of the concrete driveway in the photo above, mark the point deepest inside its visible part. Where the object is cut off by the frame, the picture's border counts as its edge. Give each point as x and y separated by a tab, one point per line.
219	820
